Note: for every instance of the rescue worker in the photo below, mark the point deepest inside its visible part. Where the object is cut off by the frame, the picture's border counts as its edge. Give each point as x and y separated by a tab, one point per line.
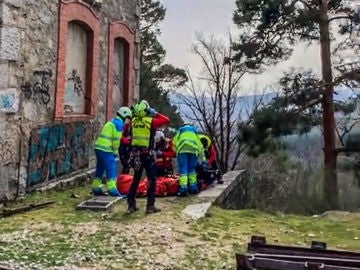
210	155
188	150
143	125
106	150
164	154
209	149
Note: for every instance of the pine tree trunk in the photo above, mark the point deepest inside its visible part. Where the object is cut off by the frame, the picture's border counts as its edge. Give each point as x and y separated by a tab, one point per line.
330	175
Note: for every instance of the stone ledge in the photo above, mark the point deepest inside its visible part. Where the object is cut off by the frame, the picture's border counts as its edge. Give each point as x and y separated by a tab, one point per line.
216	195
221	190
76	180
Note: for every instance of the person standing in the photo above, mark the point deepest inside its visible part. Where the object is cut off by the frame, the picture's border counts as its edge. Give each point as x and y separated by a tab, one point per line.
106	150
143	125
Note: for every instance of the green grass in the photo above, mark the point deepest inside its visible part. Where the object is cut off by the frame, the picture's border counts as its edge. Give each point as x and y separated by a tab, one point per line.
59	235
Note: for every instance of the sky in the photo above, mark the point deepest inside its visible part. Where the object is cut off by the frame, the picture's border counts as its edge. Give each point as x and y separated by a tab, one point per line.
214	17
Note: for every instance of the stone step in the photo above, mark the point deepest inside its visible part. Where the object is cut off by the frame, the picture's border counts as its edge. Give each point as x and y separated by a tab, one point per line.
196	211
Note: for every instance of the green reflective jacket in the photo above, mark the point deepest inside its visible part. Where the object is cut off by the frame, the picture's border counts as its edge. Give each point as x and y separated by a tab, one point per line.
109	138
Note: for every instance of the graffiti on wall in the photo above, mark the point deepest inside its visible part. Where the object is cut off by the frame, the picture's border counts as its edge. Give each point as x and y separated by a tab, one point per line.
74	93
9	101
39	91
59	150
117	80
77	83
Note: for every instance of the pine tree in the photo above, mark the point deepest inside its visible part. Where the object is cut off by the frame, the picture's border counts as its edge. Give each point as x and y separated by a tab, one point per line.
270	30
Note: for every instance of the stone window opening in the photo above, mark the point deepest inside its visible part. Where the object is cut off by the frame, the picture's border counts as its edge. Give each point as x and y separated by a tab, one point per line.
120	67
79	41
120	72
77	67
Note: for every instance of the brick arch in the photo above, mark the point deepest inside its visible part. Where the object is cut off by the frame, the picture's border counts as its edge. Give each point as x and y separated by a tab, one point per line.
77	11
119	29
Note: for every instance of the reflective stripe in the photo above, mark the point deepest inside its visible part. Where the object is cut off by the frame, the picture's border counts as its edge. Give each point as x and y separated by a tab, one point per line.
111	184
188	144
192	178
138	137
97	183
187	141
108	138
183	180
104	148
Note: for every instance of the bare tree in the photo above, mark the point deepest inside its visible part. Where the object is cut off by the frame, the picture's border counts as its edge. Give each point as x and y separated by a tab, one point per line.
347	123
212	99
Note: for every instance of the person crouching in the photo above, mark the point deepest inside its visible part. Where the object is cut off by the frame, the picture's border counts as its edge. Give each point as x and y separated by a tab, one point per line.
188	149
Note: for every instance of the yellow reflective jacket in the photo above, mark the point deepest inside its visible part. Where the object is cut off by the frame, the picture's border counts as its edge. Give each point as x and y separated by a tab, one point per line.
109	138
141	131
187	140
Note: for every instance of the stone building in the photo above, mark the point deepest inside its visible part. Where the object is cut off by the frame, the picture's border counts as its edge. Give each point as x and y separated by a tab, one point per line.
65	66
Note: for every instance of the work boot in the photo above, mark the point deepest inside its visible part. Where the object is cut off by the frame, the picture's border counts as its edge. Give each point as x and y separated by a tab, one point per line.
113	192
116	193
183	191
193	189
98	192
132	208
97	187
152	209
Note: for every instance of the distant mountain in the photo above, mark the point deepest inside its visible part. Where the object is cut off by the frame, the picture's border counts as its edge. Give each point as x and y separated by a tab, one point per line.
305	148
246	104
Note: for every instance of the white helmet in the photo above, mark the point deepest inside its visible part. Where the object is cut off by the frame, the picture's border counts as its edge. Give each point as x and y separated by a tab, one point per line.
188	123
124	112
158	136
146	103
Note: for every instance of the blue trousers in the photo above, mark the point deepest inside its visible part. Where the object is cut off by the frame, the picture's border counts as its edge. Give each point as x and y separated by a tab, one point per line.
187	163
105	163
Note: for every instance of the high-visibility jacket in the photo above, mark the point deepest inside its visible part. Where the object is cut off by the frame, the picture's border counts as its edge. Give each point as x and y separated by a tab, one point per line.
109	138
187	140
209	149
141	131
208	140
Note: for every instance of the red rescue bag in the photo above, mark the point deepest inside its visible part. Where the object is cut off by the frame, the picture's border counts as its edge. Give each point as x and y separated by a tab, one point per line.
165	186
123	183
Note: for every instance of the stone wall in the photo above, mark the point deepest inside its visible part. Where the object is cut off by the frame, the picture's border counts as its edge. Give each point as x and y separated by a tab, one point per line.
37	146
